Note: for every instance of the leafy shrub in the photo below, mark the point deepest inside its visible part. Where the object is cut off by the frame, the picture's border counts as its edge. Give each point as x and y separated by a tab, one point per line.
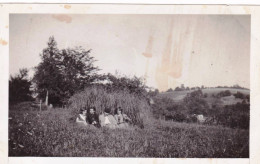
239	95
224	93
234	116
195	103
136	108
19	87
133	85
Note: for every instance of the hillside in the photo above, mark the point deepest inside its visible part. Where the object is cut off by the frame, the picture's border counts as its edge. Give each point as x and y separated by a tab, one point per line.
179	95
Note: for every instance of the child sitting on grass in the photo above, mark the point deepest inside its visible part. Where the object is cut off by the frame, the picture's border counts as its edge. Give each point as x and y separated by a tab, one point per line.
81	119
121	118
93	117
107	120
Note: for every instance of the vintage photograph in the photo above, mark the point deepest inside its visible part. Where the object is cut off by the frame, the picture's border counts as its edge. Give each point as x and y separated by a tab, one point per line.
129	85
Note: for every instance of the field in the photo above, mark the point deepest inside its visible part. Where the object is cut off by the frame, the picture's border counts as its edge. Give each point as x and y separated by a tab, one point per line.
179	95
55	133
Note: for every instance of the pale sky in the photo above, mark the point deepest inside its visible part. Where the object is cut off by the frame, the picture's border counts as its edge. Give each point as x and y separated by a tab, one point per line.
168	50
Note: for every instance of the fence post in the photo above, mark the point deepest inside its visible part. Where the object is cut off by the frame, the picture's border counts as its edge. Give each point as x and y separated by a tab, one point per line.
40	105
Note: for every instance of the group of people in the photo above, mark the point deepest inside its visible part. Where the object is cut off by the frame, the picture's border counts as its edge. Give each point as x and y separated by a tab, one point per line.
105	119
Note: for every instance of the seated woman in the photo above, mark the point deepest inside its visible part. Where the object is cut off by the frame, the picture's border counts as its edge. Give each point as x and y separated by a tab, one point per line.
81	119
121	118
93	117
107	120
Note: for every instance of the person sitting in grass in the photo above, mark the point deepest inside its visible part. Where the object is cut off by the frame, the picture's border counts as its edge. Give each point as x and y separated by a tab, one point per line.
107	120
92	117
82	117
122	119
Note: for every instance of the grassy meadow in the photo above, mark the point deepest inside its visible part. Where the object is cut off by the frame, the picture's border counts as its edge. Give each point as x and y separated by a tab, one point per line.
54	133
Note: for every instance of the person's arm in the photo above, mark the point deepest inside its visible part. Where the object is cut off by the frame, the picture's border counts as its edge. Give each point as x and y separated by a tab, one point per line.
116	118
101	120
79	119
126	117
82	117
95	117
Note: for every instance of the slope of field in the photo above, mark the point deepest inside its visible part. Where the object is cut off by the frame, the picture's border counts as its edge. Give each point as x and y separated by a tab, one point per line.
54	133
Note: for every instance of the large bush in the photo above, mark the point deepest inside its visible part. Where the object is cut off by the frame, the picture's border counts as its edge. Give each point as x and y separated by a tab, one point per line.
234	116
19	87
239	95
224	93
135	107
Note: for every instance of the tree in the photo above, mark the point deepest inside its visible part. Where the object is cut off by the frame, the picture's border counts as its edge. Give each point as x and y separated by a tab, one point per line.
134	85
195	103
239	95
19	87
178	89
63	72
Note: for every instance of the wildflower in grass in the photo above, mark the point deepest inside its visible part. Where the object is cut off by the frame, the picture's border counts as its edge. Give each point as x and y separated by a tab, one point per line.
29	133
20	124
21	146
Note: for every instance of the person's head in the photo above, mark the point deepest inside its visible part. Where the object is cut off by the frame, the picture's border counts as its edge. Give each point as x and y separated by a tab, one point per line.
92	110
83	111
119	110
107	110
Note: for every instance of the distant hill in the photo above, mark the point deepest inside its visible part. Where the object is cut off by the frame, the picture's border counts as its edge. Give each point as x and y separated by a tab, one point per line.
179	95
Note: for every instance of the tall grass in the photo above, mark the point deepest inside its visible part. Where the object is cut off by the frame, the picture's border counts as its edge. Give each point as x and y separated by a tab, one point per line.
137	108
49	133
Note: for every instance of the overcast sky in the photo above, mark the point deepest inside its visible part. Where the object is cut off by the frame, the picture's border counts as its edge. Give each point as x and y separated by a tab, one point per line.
194	50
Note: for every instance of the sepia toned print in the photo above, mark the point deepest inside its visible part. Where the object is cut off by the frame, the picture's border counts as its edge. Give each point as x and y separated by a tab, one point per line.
118	85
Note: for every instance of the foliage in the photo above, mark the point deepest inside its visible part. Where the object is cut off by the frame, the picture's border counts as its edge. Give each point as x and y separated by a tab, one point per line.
134	85
19	87
224	93
170	90
234	116
153	93
239	95
102	97
178	89
55	136
195	103
63	72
